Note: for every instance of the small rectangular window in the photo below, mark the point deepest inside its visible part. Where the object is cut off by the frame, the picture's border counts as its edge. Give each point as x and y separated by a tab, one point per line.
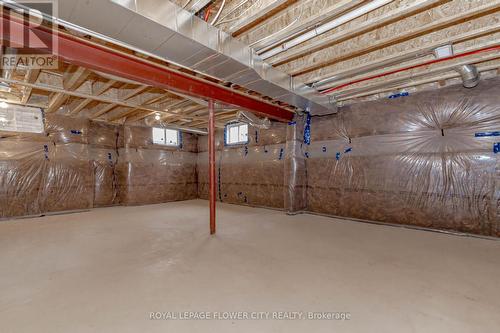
172	137
236	134
166	137
16	118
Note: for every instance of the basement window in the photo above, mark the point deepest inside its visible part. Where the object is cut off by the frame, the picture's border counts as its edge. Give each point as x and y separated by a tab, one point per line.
236	134
166	137
16	118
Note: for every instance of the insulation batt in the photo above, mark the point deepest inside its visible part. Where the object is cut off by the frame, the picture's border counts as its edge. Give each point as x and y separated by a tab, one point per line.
149	173
423	160
250	174
49	172
414	160
79	164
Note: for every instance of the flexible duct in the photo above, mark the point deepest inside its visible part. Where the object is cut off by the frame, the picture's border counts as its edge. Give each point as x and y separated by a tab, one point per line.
253	120
470	75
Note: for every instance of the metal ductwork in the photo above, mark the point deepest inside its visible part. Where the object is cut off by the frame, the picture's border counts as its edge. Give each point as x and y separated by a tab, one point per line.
164	30
470	75
253	120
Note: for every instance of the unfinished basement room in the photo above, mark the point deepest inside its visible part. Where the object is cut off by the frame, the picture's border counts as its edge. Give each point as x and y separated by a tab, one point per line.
250	166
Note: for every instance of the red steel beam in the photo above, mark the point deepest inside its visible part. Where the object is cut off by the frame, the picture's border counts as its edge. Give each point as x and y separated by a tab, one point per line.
100	58
211	163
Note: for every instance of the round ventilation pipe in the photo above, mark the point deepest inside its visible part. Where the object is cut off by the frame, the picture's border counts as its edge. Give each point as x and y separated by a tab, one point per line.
470	75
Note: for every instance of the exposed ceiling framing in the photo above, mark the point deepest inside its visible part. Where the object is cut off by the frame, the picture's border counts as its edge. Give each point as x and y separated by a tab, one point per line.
399	34
349	62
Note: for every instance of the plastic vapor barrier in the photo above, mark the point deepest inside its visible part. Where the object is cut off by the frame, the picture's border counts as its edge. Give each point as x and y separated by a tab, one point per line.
149	173
250	174
155	176
48	172
295	167
427	160
78	164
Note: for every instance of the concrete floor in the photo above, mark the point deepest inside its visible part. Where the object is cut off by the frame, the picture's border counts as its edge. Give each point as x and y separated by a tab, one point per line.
106	270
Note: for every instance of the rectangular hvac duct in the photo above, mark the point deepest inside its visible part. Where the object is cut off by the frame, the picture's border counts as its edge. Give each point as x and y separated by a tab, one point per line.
165	30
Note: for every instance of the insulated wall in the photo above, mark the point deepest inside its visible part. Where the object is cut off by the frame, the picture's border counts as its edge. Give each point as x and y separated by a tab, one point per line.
150	173
104	143
427	160
80	164
250	174
48	172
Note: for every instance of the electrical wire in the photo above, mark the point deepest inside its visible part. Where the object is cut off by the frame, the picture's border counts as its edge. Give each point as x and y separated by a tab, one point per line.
218	12
241	14
281	30
185	5
288	27
234	9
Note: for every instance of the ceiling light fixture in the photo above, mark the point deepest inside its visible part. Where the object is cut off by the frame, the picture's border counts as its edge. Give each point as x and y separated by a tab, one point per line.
3	105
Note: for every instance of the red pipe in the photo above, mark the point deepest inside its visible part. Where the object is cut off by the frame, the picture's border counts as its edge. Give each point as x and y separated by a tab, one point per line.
211	158
207	13
434	61
100	58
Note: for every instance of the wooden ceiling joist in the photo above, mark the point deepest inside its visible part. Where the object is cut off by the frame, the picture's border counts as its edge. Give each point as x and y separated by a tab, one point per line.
417	32
405	55
149	102
98	98
265	12
30	77
73	78
304	25
370	25
411	76
122	97
440	79
97	92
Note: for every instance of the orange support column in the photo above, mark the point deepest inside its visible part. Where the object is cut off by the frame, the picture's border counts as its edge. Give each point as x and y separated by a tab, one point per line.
211	163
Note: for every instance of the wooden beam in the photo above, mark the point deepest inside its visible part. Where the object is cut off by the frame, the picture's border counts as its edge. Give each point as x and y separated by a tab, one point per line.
56	101
264	13
338	8
104	109
72	79
133	110
168	117
403	56
127	95
399	38
103	99
417	83
342	94
86	101
138	117
30	77
357	30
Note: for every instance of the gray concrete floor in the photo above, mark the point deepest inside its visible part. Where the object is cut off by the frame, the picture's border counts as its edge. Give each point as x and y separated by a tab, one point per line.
106	270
